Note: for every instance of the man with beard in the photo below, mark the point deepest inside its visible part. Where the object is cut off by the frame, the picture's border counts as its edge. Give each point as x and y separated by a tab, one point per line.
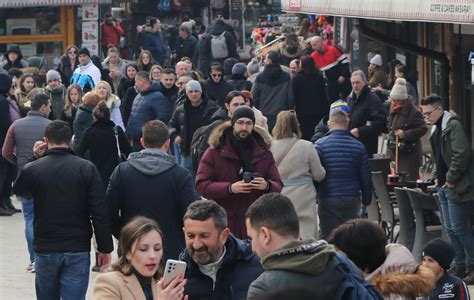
219	266
238	167
169	88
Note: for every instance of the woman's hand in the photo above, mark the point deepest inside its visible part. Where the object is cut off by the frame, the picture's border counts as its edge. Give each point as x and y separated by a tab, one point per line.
174	290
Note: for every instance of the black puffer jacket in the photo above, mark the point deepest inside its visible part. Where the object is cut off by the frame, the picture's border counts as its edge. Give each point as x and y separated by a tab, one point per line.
240	83
18	63
65	69
217	91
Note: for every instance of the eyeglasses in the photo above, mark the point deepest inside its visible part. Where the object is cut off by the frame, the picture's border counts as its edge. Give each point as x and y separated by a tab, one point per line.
428	113
217	75
181	83
242	123
72	52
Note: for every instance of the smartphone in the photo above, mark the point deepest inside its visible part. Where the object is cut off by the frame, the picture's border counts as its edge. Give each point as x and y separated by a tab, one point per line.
173	268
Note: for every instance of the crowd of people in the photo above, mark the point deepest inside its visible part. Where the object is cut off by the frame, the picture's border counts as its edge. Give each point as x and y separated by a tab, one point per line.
253	174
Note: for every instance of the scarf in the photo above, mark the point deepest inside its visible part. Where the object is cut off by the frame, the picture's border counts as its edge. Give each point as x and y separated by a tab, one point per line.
241	145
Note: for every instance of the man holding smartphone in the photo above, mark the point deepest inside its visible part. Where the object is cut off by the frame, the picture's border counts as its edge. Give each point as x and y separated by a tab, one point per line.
238	167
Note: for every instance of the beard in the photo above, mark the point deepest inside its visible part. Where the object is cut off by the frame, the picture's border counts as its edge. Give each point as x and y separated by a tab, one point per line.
242	134
202	256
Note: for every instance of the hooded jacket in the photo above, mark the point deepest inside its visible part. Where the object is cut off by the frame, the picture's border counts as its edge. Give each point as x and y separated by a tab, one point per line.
58	100
151	184
18	63
307	263
82	121
86	76
239	268
220	166
217	91
148	105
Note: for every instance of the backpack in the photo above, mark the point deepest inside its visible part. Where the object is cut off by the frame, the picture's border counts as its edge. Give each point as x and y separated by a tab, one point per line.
199	142
354	286
219	46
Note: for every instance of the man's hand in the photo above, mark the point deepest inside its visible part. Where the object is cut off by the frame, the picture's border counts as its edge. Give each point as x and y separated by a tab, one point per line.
178	140
450	185
39	148
400	133
104	261
355	132
259	183
241	187
341	79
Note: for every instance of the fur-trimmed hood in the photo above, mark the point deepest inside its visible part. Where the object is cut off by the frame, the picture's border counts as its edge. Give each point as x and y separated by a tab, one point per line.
409	281
262	137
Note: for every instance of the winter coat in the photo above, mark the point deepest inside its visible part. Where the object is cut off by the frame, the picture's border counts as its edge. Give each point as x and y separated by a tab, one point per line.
65	208
70	118
123	86
308	263
101	144
5	118
411	121
450	287
151	184
170	95
205	53
455	149
178	125
15	113
66	69
220	166
321	129
272	92
116	285
58	100
367	114
148	105
298	169
377	77
153	42
185	47
110	34
239	268
240	83
19	63
121	66
87	76
82	121
399	277
128	100
217	92
347	167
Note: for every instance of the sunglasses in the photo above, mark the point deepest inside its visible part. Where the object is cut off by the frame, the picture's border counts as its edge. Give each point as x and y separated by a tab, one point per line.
216	75
72	52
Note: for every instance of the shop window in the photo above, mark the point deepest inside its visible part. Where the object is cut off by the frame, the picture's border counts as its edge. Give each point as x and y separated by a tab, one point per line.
30	21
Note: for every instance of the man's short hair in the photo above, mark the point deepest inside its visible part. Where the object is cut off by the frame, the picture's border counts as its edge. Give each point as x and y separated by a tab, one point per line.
143	76
432	99
155	133
15	72
216	66
231	95
275	212
202	210
168	71
113	50
38	101
274	56
58	132
338	117
359	73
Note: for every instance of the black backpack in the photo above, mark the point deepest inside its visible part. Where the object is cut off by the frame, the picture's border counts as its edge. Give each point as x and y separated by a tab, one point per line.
199	142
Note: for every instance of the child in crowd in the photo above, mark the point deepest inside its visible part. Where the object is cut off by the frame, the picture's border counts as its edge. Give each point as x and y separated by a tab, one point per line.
437	256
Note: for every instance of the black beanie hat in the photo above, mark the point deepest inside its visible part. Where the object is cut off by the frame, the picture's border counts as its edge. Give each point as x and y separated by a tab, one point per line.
440	251
85	51
243	112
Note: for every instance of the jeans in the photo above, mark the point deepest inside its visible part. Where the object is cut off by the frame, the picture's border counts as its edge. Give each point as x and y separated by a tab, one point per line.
335	211
177	153
29	215
458	226
188	165
62	275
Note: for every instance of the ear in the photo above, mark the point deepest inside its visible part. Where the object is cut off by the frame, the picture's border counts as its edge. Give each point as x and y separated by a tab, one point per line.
45	139
227	106
142	142
166	145
224	235
266	235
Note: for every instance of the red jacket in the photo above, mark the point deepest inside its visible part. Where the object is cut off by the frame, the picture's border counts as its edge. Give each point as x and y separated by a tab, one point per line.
220	166
111	34
328	59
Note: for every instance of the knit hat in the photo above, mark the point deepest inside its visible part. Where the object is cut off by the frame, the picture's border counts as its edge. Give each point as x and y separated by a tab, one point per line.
253	66
243	112
53	75
340	105
84	51
440	251
229	64
399	90
193	85
376	60
239	69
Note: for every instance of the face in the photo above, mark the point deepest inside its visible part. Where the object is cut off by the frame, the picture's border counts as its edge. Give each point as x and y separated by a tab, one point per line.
243	127
267	60
72	53
204	242
46	109
432	264
53	83
216	76
182	34
102	91
234	104
400	102
182	81
317	45
84	59
181	69
398	74
157	25
12	56
432	113
11	92
293	67
357	84
131	72
194	96
145	59
74	96
372	67
257	240
113	58
139	84
28	84
155	74
146	254
167	80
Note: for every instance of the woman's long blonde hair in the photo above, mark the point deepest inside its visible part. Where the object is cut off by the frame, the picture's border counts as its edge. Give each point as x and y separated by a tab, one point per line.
286	126
68	105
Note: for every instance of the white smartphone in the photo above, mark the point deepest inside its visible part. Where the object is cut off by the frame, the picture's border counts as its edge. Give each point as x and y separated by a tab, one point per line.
173	268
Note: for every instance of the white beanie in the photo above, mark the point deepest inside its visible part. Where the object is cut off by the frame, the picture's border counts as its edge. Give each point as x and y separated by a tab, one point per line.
193	85
399	90
376	60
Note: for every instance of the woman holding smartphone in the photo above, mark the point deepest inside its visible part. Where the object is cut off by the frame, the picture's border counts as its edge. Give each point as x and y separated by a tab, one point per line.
138	272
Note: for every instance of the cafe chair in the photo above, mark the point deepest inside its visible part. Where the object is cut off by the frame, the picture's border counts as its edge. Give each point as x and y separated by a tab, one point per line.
423	232
388	212
407	219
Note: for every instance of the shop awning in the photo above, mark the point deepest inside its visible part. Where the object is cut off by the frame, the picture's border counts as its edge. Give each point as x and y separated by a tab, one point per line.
25	3
439	11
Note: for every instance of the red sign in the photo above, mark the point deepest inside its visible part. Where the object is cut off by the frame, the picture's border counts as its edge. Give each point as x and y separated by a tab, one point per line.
294	5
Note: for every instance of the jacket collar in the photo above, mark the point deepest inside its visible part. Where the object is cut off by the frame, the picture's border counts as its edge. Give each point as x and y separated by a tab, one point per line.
35	113
132	284
59	151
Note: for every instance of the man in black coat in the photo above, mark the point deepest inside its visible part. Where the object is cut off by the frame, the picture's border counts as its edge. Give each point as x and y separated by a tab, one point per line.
368	119
185	44
151	184
5	121
216	86
63	212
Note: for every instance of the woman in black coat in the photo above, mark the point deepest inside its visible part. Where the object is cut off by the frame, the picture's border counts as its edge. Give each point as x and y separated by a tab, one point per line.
101	142
310	96
68	62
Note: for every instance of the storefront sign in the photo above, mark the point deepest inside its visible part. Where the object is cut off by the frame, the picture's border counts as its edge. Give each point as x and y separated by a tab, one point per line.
439	11
90	12
25	3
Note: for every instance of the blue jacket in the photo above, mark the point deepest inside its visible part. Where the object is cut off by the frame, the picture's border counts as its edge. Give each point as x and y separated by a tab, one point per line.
153	43
239	268
347	167
148	105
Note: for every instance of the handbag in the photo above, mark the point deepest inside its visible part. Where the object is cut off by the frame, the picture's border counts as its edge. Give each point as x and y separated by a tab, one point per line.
403	146
121	157
281	158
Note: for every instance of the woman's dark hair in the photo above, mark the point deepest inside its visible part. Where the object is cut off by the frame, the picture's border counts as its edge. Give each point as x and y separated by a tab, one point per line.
391	71
101	111
401	68
308	66
247	96
140	61
22	80
231	95
131	65
363	241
